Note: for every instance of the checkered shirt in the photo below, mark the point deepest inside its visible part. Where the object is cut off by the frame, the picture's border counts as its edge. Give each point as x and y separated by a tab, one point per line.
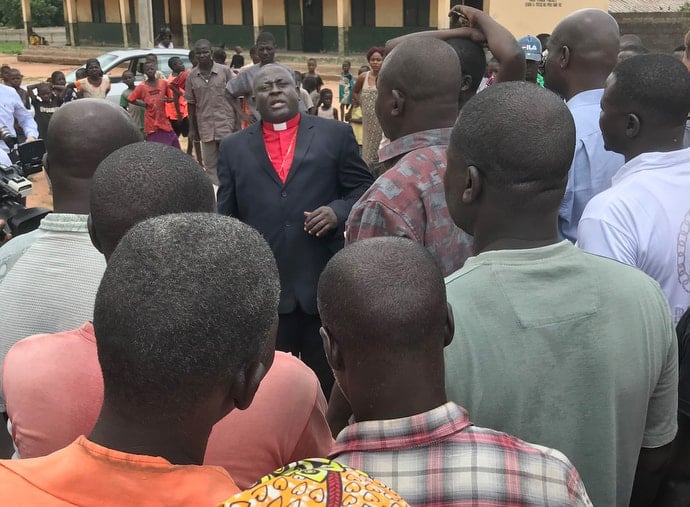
439	459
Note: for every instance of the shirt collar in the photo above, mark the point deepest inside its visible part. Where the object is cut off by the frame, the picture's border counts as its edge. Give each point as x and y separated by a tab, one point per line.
586	98
419	429
65	222
280	127
651	161
415	141
214	69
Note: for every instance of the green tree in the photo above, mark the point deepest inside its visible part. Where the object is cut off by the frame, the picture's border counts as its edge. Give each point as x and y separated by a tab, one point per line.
43	13
685	7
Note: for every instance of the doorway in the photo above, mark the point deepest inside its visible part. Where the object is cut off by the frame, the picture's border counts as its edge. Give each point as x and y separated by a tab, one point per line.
313	26
293	23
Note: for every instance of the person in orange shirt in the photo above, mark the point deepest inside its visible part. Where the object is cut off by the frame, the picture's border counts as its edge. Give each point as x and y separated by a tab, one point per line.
177	82
174	362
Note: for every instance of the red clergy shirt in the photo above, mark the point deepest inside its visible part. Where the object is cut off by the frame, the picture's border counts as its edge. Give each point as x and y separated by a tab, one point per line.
280	140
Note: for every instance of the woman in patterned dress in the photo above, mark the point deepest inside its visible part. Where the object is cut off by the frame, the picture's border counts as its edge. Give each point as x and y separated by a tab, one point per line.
364	94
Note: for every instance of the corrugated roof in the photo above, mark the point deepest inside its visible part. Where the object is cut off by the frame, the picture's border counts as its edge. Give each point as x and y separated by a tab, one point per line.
645	5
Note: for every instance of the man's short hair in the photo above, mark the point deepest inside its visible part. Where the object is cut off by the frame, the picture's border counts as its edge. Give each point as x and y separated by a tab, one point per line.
521	138
657	84
472	60
219	55
186	302
635	49
144	180
265	38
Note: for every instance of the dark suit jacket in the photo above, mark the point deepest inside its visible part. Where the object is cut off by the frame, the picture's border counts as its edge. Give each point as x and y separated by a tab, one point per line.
326	171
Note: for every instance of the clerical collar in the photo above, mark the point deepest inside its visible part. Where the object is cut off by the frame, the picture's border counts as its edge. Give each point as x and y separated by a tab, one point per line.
279	127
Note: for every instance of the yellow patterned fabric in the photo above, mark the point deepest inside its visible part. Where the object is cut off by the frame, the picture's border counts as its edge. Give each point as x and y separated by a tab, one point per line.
316	482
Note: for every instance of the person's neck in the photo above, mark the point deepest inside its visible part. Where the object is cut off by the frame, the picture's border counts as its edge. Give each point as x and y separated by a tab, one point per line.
589	82
428	117
172	440
397	396
665	142
69	197
517	232
206	66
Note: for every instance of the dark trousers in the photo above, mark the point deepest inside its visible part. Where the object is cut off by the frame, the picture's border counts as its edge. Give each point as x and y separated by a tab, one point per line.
298	333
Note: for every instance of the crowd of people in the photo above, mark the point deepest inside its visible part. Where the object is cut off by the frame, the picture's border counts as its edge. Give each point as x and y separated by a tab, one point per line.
465	288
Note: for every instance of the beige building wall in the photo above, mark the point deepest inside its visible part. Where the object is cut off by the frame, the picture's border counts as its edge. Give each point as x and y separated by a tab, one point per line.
389	13
84	11
274	12
112	11
531	17
232	12
330	13
198	13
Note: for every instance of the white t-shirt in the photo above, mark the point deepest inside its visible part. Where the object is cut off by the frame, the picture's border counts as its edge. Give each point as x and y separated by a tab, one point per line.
644	220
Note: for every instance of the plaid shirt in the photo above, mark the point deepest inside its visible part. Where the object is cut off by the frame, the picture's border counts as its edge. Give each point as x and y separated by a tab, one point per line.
408	200
439	459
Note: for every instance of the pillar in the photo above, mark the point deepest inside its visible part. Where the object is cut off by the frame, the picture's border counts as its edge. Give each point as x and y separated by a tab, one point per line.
123	20
442	12
186	15
341	13
69	10
258	16
26	16
146	36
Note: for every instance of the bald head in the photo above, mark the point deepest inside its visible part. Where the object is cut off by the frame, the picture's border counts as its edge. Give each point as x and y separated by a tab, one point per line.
418	87
582	52
84	132
372	301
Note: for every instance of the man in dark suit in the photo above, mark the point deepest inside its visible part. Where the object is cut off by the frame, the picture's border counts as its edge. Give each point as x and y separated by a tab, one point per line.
294	178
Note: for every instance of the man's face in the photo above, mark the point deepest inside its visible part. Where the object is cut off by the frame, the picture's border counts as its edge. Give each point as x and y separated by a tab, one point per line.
276	96
454	184
311	66
532	71
613	119
203	54
266	52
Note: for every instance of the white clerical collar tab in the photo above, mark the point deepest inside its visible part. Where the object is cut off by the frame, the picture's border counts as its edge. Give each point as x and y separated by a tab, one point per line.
279	126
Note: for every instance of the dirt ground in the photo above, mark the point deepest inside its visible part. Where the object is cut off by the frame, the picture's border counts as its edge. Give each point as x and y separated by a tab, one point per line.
36	72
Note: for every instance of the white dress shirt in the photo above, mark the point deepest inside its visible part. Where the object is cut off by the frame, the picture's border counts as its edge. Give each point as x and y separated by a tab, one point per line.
11	107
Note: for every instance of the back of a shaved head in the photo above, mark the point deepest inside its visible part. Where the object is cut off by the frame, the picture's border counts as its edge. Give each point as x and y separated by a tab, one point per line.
84	132
424	68
383	294
592	35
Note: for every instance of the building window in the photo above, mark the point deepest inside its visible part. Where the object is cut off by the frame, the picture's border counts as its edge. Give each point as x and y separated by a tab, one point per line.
247	13
415	13
214	12
363	12
98	11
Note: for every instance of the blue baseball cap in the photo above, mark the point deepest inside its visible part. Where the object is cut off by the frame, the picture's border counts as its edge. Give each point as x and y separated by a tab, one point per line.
532	48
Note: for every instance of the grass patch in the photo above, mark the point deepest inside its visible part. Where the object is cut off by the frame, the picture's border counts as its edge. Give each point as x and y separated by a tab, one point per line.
11	48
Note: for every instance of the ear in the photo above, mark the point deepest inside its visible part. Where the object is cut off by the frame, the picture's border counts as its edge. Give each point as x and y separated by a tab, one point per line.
632	127
449	330
473	185
398	103
466	83
93	234
332	350
246	384
45	163
564	57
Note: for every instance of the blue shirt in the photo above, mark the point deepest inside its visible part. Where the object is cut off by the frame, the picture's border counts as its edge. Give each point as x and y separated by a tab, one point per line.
11	107
593	166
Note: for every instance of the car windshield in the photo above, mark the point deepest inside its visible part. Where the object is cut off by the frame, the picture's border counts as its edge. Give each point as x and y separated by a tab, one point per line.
106	59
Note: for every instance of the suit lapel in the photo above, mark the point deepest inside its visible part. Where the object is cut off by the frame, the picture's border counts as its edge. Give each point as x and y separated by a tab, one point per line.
258	148
305	134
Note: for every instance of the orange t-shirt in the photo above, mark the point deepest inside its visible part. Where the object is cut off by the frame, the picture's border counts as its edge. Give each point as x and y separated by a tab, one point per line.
85	473
180	81
155	118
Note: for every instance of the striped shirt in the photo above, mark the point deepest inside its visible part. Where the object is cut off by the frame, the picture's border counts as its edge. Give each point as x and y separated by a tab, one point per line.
439	459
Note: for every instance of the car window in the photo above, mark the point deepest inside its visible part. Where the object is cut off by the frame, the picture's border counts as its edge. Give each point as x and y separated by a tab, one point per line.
115	73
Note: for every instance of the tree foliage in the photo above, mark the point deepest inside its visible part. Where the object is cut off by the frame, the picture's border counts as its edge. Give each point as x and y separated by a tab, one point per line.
43	13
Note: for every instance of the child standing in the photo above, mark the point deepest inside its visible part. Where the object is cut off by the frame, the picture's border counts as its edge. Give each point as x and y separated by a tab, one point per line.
95	85
345	88
311	73
153	94
45	102
354	115
325	109
136	112
237	61
178	81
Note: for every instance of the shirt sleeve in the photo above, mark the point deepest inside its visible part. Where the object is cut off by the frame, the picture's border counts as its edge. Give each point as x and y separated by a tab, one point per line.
25	120
596	235
373	218
136	94
79	85
683	332
123	100
661	425
240	85
107	83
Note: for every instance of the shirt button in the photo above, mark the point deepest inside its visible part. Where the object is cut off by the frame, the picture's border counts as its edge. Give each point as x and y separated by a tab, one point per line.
283	194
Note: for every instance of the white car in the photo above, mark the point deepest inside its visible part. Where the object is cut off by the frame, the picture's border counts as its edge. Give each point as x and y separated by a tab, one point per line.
114	63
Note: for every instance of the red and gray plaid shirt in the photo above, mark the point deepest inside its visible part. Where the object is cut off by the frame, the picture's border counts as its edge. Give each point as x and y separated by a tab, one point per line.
408	200
439	459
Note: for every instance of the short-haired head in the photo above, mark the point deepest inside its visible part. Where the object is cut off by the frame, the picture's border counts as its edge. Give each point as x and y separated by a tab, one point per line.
266	48
186	308
401	101
379	309
522	160
582	51
265	38
58	78
310	83
647	97
72	158
630	39
140	181
219	55
80	73
630	51
473	66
